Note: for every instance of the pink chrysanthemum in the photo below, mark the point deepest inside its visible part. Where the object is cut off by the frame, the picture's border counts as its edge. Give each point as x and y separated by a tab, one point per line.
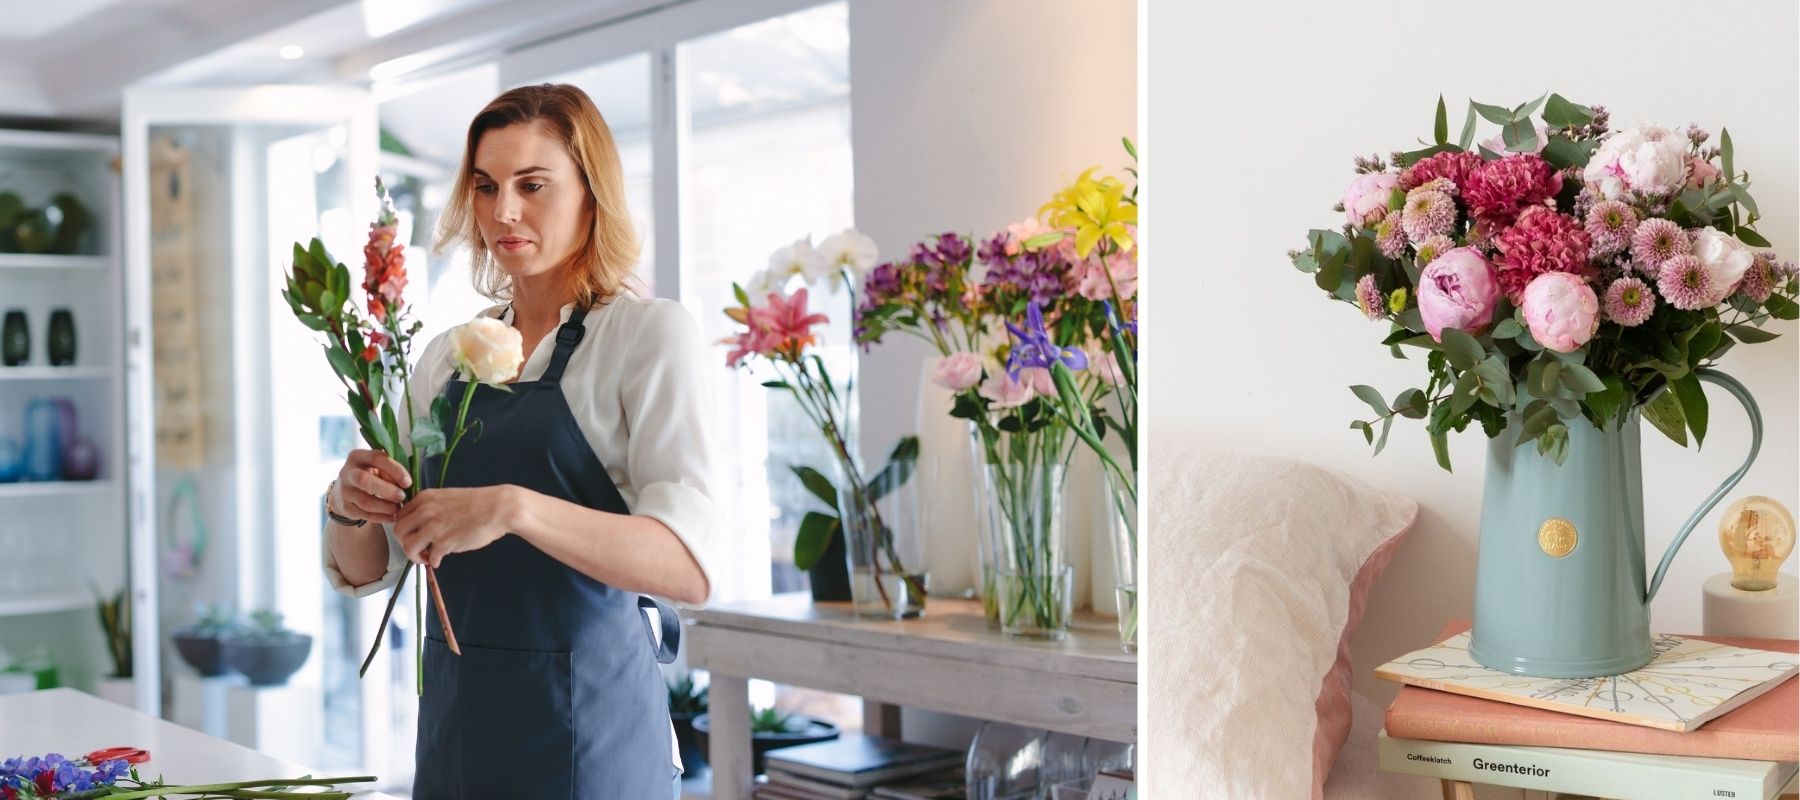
1685	283
1434	246
1428	213
1629	302
1759	281
1453	166
1609	226
1500	190
1390	235
1541	241
1369	299
1656	241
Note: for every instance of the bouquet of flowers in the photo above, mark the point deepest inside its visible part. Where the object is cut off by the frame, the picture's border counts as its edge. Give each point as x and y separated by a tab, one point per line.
54	776
1560	271
371	357
1007	317
778	329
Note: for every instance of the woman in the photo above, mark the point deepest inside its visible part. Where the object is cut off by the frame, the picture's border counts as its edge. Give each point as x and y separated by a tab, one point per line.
586	487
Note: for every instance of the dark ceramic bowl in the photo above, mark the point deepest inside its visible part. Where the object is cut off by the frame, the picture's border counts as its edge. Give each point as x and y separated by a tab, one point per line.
267	662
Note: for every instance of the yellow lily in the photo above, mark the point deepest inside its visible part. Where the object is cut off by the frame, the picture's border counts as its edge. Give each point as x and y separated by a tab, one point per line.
1095	209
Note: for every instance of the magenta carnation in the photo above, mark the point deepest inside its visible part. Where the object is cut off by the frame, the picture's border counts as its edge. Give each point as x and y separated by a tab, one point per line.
1428	213
1369	299
1656	241
1610	224
1685	283
1629	302
1541	241
1499	190
1452	166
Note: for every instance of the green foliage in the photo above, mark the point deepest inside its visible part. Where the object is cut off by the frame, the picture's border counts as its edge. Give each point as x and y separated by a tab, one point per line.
768	720
686	697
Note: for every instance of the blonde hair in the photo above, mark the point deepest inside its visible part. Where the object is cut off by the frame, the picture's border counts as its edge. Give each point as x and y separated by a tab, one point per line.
604	263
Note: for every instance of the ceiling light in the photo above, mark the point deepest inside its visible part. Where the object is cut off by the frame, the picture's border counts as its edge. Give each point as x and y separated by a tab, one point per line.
292	51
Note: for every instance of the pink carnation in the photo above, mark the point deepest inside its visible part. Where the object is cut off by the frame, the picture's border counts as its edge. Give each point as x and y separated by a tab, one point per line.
1499	190
1453	166
1542	241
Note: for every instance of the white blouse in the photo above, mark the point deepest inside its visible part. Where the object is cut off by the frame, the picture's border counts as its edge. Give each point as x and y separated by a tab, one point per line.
637	387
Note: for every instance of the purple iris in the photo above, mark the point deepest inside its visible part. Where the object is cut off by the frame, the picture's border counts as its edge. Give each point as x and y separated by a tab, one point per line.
1035	349
1112	319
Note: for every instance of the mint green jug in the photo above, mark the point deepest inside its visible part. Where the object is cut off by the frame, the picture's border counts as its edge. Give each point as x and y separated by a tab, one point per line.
1560	583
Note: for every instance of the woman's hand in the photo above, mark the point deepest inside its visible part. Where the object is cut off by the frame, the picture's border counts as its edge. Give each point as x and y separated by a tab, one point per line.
439	522
371	486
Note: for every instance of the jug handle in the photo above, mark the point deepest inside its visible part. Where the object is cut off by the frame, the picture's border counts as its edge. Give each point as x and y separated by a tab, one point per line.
1738	391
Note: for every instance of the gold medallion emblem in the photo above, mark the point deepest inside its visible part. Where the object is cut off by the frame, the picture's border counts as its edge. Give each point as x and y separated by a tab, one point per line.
1557	537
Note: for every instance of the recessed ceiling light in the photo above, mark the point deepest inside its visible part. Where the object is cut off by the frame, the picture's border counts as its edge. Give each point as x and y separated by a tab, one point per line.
292	52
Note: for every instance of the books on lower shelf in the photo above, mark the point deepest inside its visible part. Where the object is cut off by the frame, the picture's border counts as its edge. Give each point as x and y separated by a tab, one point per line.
1621	776
1689	681
850	768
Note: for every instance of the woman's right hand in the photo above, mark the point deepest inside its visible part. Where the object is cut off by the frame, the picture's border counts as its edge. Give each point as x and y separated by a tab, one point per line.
371	486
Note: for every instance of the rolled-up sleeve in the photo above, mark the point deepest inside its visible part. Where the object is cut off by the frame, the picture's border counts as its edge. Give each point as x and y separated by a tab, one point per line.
671	450
396	561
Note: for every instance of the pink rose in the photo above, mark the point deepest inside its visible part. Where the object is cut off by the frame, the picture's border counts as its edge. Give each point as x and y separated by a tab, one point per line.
1366	201
1458	289
1004	392
1106	365
1039	380
957	371
1701	172
1561	311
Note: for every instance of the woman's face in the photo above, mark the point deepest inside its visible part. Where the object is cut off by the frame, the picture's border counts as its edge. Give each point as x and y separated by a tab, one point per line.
530	201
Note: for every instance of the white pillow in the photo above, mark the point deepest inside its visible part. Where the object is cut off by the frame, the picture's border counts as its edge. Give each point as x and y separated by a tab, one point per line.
1255	581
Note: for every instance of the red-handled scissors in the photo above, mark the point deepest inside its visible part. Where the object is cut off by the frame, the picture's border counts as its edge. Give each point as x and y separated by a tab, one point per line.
131	755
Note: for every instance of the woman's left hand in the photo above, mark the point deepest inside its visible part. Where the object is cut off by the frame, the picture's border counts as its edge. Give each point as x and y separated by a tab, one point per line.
439	522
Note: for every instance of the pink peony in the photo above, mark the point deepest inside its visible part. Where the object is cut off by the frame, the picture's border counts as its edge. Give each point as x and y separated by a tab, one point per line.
1457	290
1645	159
1004	392
1499	190
1541	242
1561	311
957	371
1366	200
1452	166
1629	302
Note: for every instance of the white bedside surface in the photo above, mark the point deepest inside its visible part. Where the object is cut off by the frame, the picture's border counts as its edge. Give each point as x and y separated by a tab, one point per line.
71	723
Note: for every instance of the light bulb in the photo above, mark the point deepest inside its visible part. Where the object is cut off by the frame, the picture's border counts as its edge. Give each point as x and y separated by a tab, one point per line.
1757	534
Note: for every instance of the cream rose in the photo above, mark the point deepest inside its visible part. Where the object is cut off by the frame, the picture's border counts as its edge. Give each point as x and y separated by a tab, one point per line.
1725	260
488	350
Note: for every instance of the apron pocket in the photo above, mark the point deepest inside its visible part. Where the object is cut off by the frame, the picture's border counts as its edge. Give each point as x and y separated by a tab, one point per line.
509	714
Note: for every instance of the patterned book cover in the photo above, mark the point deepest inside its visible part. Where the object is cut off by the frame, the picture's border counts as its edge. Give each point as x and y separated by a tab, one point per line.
1688	682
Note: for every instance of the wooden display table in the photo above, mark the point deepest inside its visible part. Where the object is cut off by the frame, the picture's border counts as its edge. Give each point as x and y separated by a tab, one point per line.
948	661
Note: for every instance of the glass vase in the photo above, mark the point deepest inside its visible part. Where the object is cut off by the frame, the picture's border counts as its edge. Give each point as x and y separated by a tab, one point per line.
1122	523
1005	762
884	548
1022	475
986	554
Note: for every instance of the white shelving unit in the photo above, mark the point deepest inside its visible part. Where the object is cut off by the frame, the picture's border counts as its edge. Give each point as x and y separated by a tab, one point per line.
66	536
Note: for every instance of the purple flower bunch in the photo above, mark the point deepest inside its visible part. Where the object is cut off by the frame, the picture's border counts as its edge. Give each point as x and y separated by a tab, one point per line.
51	774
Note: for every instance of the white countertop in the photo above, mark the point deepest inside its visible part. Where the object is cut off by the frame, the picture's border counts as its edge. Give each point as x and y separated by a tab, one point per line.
72	723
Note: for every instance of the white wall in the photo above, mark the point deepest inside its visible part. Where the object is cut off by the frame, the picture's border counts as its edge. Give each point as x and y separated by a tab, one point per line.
1255	116
965	117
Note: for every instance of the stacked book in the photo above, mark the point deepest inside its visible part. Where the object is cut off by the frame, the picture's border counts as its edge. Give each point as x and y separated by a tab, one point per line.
1709	717
862	768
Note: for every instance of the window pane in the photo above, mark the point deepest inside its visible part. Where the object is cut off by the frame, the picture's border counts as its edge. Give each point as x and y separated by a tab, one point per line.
768	163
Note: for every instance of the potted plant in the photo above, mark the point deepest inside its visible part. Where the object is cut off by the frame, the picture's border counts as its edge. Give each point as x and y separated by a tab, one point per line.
687	701
265	651
115	621
771	730
199	645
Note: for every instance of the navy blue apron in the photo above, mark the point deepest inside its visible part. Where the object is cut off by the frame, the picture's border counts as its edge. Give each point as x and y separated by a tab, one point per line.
556	693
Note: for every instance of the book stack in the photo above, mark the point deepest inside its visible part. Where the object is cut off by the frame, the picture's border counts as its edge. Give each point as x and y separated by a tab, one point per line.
861	768
1709	717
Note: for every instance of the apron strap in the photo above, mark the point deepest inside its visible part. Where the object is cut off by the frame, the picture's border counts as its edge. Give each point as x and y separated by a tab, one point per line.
670	641
567	337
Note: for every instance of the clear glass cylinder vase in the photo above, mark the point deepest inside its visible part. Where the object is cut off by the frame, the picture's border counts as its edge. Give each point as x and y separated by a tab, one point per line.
1033	584
1122	523
883	545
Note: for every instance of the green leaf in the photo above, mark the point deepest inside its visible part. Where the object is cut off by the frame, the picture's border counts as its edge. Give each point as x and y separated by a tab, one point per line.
1440	447
1752	238
1562	153
777	385
1705	341
1494	114
818	484
1664	411
427	438
1560	113
1742	196
1461	348
1441	129
1044	240
312	321
1130	149
341	362
1468	131
1508	328
1369	395
1524	112
1782	308
1412	157
1548	378
813	538
1693	405
1464	396
1412	404
1387	424
1749	334
898	470
742	296
1725	154
1368	431
1606	402
1539	416
1520	136
1582	380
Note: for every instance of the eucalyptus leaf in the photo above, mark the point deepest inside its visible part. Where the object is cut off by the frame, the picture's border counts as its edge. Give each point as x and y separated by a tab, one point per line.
1725	154
1461	348
1560	113
1441	128
1752	238
1387	423
1749	334
1494	114
1369	395
1508	328
1581	379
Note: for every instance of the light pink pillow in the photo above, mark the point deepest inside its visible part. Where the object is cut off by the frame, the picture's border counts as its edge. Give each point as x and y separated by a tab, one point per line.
1260	569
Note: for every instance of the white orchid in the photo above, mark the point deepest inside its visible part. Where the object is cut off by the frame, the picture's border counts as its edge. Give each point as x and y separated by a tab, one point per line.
799	258
851	251
764	283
